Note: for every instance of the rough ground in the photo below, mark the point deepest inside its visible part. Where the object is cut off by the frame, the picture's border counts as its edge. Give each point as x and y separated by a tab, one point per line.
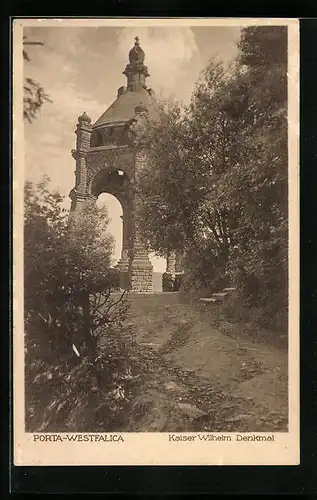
203	373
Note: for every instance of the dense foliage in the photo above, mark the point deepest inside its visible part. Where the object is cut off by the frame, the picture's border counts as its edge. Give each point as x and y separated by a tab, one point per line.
77	354
215	183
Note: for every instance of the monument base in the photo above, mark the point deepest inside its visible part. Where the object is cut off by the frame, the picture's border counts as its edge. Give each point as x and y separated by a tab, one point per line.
141	276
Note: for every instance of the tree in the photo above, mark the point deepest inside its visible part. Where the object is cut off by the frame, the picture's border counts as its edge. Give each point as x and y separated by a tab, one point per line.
188	152
220	173
34	94
260	253
72	323
163	141
65	267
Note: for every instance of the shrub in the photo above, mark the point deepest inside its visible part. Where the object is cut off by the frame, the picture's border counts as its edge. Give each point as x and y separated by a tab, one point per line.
167	282
72	322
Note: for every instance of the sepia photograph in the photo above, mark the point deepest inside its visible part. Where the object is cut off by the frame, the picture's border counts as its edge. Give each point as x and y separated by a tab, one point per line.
156	236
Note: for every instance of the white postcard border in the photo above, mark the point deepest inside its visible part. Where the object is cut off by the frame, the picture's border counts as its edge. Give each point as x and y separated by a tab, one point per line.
155	448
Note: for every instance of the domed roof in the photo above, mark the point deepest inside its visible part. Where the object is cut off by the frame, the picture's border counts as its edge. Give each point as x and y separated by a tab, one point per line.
123	108
135	98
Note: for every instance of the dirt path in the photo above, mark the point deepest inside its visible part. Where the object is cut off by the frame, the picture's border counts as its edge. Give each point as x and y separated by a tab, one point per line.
200	378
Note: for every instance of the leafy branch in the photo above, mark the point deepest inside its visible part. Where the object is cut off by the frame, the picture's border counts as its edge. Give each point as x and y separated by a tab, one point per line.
34	94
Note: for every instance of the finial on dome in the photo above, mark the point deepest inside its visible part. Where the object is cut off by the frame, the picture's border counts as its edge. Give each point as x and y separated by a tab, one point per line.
136	54
136	72
84	118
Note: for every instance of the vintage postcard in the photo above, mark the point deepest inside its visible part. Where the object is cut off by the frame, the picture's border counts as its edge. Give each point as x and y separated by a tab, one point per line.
156	241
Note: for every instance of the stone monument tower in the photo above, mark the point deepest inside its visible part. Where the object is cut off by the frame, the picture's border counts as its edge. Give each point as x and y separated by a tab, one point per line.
108	162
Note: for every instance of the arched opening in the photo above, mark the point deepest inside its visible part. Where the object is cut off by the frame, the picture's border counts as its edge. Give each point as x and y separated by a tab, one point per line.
112	187
159	268
159	263
115	227
111	180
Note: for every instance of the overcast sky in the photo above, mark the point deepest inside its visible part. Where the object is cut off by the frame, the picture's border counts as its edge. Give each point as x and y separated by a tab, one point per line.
81	70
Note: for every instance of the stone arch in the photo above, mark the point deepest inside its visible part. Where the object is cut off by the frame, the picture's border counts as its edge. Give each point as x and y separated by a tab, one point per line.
100	160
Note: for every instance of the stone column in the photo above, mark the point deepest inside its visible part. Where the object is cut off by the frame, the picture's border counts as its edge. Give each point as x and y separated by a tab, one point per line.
124	262
179	266
141	269
179	270
170	262
78	194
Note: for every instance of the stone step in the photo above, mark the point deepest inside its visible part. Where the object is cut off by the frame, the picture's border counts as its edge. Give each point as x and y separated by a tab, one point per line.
220	295
208	300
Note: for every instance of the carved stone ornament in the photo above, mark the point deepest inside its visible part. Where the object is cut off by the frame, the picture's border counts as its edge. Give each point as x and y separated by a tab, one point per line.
84	118
136	61
136	54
